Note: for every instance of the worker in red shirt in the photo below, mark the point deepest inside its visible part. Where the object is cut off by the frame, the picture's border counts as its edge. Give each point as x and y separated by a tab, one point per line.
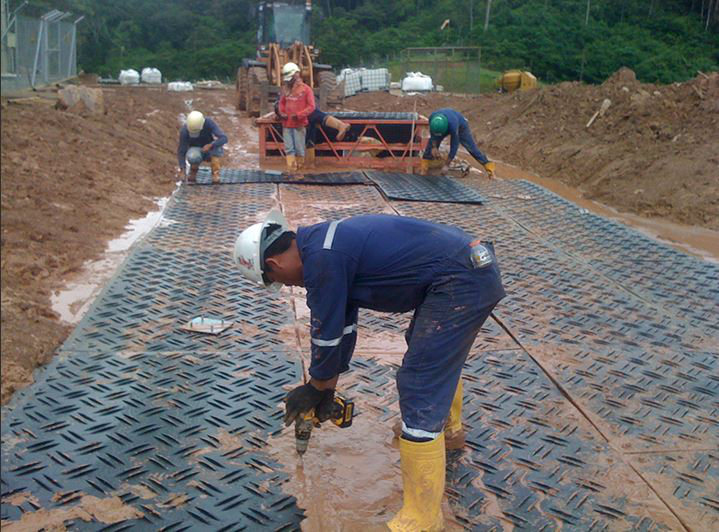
296	104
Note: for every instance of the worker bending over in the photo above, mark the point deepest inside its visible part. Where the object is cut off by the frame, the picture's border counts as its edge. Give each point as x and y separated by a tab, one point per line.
201	139
296	104
445	122
393	264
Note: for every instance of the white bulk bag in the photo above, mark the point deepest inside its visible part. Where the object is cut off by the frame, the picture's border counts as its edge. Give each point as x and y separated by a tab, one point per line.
151	75
416	81
129	77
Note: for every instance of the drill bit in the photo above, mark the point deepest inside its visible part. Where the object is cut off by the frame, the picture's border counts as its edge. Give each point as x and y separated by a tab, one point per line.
303	431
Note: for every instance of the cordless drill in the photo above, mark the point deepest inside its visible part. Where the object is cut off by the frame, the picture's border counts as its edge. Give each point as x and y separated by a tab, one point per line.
341	415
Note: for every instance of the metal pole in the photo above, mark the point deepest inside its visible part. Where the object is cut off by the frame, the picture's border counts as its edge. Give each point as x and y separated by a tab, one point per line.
37	52
72	47
13	17
44	51
479	74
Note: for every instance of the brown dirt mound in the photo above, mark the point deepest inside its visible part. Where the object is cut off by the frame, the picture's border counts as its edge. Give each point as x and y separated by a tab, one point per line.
655	151
70	182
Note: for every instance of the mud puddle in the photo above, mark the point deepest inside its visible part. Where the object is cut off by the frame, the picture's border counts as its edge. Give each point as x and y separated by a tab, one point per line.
243	146
73	301
349	479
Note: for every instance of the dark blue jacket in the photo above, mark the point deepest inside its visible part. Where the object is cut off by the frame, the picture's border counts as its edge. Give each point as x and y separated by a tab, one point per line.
456	120
210	134
380	262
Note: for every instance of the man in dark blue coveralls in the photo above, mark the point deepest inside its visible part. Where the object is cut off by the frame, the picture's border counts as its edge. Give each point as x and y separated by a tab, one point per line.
201	139
445	122
394	264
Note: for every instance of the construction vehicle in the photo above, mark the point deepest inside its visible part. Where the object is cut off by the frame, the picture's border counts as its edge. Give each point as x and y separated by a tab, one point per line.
283	35
513	80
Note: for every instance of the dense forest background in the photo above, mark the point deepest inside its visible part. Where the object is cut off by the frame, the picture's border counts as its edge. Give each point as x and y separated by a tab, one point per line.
661	40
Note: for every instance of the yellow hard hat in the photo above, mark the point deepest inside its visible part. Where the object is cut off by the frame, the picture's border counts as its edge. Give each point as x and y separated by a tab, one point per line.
195	121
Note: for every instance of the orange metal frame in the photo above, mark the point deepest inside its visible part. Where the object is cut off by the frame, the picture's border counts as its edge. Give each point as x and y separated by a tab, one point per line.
402	155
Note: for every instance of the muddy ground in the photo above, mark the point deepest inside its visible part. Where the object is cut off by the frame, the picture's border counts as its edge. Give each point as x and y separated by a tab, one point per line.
71	180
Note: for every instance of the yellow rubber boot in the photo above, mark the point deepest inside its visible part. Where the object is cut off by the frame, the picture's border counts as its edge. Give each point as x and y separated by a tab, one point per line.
291	164
215	165
423	483
438	162
453	429
423	166
310	158
299	163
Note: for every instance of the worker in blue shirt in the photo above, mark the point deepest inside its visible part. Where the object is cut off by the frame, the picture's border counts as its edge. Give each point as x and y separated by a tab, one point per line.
445	122
450	280
201	139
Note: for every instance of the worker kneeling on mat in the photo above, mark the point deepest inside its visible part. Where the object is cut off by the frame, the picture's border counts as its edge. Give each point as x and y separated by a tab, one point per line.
201	139
394	264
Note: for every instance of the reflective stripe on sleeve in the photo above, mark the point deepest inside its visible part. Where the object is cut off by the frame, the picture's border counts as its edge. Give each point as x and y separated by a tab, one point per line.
330	236
349	329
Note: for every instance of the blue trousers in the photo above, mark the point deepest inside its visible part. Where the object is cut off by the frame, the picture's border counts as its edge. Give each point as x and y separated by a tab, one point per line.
294	138
317	118
439	339
194	154
466	140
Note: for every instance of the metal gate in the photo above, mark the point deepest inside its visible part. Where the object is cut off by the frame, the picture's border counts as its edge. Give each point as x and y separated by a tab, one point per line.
40	51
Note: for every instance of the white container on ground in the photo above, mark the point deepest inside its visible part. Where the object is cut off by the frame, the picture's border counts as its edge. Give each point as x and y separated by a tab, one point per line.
416	82
375	79
151	75
179	86
129	77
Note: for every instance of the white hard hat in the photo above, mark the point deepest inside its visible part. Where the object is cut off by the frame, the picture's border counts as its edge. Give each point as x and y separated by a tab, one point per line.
195	121
289	70
250	248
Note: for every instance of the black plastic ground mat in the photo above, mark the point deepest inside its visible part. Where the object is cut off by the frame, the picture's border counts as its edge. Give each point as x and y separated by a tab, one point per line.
532	460
375	115
158	291
411	187
179	437
230	176
610	404
647	399
685	286
571	227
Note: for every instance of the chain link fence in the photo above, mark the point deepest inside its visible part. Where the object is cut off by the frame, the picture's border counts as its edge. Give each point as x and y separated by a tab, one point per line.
38	52
456	69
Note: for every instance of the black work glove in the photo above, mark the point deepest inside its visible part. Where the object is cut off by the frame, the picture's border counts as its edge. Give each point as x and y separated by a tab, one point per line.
303	399
326	408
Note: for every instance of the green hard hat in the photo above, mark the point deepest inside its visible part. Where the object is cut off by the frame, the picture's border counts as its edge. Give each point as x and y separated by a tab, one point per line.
438	125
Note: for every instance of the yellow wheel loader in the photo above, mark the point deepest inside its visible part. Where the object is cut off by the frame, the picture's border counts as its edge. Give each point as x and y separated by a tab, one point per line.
283	35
